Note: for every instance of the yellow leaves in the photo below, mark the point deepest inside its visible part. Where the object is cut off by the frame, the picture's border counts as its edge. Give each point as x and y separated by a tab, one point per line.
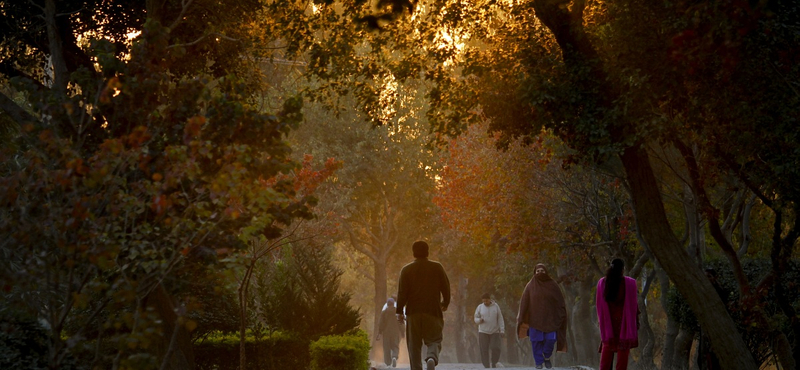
81	300
190	325
232	212
157	177
132	343
110	90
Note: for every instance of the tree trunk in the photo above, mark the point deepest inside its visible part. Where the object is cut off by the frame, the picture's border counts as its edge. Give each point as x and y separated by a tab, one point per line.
571	296
56	46
683	349
668	352
180	352
688	278
462	320
512	357
381	295
582	59
243	322
645	331
588	339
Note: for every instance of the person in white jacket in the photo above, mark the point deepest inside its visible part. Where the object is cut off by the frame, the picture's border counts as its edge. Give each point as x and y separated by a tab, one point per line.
490	330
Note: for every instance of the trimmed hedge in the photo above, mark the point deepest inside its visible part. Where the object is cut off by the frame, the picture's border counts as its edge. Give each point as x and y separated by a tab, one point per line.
341	352
276	351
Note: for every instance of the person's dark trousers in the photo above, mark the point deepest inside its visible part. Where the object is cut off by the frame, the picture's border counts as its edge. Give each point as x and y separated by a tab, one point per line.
422	329
391	349
490	349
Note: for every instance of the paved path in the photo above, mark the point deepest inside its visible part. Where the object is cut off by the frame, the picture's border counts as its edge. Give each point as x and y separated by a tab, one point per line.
444	366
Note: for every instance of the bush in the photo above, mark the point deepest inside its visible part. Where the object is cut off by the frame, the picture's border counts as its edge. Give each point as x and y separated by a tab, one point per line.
300	293
341	352
23	344
274	351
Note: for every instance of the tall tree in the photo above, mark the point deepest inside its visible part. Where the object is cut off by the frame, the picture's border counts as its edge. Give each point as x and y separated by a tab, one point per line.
381	195
134	157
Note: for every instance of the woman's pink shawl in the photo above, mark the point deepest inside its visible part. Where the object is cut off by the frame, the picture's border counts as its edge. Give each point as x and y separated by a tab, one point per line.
628	332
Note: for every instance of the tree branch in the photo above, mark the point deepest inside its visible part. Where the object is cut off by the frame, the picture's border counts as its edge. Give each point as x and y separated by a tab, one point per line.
184	7
17	113
201	39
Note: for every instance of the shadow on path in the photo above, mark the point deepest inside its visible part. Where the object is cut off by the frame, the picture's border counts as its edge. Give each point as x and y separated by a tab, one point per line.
445	366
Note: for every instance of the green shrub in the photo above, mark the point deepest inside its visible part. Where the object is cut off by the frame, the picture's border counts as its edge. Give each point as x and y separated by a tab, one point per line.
341	352
301	294
275	351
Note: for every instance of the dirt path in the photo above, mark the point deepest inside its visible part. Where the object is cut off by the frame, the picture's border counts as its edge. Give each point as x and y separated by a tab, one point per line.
444	366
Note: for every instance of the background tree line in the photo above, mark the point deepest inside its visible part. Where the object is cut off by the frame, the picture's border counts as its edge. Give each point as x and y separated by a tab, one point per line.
148	145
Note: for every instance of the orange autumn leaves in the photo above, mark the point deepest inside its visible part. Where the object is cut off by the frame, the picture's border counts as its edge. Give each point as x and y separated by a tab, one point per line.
485	192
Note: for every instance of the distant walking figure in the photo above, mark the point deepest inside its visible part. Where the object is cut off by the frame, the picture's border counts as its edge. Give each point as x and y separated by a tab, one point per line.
490	328
389	332
424	292
543	312
618	316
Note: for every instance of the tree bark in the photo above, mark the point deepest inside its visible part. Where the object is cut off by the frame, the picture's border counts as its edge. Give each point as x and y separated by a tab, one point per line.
462	319
645	331
587	340
56	45
683	350
181	356
586	67
381	295
17	113
668	352
571	296
688	278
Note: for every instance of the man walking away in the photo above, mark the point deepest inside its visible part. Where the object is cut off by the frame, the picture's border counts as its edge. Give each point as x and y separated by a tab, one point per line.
490	328
424	293
389	332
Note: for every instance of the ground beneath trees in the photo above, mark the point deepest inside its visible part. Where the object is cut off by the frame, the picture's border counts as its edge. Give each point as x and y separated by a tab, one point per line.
445	366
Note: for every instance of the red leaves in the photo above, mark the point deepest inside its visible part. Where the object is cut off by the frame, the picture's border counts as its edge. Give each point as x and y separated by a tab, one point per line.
160	204
76	166
138	137
306	180
192	128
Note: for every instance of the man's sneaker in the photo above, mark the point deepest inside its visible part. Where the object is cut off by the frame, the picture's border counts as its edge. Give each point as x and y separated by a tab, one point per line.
394	361
431	364
547	363
538	366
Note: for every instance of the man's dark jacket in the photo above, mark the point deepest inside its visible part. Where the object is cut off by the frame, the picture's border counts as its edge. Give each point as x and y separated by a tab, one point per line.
423	288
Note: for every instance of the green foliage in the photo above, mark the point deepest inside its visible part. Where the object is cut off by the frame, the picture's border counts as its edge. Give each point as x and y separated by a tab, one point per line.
144	169
23	344
274	351
341	352
300	294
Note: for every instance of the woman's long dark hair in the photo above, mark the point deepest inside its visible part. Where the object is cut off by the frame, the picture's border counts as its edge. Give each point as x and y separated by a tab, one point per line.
613	279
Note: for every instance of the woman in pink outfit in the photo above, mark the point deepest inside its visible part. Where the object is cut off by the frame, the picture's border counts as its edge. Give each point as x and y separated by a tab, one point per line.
618	315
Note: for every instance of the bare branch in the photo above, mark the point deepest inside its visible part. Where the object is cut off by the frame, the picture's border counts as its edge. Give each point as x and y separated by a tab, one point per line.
202	38
70	13
36	5
16	112
356	243
184	7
